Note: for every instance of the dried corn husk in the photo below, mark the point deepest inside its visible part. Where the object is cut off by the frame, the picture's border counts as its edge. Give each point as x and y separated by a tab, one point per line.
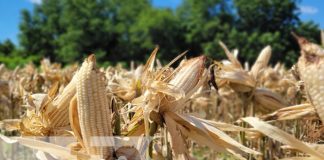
269	99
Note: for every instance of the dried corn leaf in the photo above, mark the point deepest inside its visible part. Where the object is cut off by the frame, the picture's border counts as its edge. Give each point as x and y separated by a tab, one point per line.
167	89
299	158
317	147
178	143
237	76
10	124
281	136
225	126
74	120
51	148
230	56
291	113
210	133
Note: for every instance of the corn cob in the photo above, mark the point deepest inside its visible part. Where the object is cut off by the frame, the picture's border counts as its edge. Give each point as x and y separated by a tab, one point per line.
188	74
94	109
58	114
261	62
189	77
311	70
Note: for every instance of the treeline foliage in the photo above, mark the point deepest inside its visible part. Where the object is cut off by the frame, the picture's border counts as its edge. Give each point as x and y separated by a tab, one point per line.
124	30
11	56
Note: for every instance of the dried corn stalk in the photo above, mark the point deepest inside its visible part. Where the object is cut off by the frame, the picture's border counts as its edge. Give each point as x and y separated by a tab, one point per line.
186	79
243	81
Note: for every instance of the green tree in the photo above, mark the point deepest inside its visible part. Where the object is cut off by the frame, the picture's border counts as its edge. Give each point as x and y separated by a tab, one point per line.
40	29
87	30
10	55
115	30
271	22
158	27
6	48
127	30
203	21
248	25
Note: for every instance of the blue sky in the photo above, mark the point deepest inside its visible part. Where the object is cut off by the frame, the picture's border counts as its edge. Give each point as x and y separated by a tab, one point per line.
10	14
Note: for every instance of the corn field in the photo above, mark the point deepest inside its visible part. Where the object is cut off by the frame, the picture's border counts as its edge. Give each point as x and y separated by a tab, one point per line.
200	109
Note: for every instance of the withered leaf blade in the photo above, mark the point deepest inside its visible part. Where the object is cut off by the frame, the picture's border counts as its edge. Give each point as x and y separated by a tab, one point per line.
281	136
210	135
177	140
291	113
51	148
230	56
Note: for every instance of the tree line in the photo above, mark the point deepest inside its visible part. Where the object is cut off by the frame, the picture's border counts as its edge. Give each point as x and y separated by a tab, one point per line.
123	30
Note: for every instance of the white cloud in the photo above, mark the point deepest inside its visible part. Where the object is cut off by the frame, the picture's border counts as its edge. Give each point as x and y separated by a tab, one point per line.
36	1
308	9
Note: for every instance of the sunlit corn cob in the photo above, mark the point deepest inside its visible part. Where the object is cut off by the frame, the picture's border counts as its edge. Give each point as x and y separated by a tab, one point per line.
189	74
261	62
187	78
58	113
94	109
311	70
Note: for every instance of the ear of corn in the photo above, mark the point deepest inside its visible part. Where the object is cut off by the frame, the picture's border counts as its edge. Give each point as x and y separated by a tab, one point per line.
311	70
94	109
308	49
58	114
189	74
313	77
261	62
188	78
